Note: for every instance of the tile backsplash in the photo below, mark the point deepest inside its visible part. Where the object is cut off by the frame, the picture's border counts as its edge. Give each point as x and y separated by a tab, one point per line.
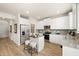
54	31
40	30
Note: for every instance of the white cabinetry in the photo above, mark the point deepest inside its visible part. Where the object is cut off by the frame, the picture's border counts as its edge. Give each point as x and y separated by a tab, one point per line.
57	39
74	15
40	25
63	22
40	43
71	21
77	15
60	22
68	51
48	21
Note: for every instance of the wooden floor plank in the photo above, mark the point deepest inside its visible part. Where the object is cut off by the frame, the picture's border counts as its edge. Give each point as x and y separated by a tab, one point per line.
9	48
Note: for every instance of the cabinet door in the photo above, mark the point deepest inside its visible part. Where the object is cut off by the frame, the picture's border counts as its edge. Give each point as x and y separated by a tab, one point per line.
68	51
43	23
40	44
71	21
47	21
57	39
60	22
74	15
77	15
40	25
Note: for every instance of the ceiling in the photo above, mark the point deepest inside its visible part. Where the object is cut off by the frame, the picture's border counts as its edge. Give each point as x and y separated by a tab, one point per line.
35	10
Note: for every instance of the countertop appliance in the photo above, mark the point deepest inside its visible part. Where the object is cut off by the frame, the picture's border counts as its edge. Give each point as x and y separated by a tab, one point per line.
46	35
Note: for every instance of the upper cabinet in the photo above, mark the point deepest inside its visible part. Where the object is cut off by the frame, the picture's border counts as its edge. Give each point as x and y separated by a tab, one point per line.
67	21
72	20
40	25
74	14
55	23
77	16
60	22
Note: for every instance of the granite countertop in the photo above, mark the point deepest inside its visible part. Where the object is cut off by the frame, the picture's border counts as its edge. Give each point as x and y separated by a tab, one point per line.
57	34
72	41
68	40
75	42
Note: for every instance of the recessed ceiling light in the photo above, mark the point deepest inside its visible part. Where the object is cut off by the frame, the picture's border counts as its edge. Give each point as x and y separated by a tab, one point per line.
27	12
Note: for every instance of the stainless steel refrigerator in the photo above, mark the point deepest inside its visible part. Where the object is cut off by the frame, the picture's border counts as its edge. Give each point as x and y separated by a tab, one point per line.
24	33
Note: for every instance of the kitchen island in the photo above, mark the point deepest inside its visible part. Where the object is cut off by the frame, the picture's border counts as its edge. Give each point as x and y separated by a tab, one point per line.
39	42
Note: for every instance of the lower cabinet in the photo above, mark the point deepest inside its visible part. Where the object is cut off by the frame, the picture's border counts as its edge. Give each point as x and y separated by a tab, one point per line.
40	45
68	51
58	39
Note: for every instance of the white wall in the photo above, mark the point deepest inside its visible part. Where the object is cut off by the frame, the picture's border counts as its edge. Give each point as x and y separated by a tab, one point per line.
14	36
14	20
4	29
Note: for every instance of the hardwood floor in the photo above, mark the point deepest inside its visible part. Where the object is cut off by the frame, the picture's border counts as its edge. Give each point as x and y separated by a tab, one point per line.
9	48
51	49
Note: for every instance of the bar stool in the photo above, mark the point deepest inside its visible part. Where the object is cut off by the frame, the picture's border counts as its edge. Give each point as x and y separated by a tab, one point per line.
31	45
27	42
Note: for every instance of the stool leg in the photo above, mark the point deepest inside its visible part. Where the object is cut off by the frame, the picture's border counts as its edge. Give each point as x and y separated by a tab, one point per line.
31	51
24	46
